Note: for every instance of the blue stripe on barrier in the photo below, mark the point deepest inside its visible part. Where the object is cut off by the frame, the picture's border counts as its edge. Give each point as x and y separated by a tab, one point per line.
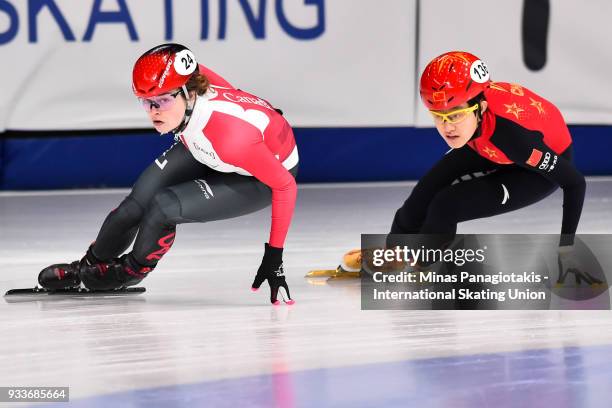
326	154
2	162
78	162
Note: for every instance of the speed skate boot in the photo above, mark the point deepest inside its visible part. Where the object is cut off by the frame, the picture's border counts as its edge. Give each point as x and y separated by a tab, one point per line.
65	275
118	273
60	276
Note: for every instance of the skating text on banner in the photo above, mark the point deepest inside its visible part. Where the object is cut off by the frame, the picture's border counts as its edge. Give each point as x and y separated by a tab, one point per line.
70	61
340	63
255	19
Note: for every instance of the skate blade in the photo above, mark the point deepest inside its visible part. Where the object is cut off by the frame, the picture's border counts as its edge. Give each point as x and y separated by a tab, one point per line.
321	273
345	276
42	293
333	276
329	273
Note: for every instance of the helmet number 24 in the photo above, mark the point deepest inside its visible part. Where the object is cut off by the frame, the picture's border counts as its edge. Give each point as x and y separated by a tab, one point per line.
185	62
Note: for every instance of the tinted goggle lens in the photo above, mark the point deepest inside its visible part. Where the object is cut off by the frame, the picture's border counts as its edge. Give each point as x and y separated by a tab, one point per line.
162	102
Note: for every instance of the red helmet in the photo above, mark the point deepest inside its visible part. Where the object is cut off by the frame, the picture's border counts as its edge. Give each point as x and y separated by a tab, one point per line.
162	69
452	79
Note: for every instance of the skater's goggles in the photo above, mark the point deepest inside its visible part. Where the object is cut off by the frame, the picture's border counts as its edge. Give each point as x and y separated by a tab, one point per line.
453	117
161	102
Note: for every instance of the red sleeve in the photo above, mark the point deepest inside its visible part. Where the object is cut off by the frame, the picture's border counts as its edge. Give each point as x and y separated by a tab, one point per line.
241	144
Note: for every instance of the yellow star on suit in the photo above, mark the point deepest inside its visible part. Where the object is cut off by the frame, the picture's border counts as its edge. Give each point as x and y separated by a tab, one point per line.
514	109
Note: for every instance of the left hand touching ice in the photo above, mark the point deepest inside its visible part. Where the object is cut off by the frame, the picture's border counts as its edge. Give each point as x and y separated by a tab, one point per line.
271	269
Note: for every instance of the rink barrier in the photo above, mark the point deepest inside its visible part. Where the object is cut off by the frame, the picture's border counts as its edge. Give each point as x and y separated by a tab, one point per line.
102	159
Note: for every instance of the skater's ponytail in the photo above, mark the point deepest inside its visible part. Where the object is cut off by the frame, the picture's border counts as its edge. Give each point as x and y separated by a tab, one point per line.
198	83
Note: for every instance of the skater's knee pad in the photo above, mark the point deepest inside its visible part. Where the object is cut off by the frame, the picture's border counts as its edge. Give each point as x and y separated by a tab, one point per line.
128	213
165	208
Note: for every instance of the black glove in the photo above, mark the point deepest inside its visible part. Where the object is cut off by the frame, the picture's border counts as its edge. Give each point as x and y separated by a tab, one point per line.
569	263
271	269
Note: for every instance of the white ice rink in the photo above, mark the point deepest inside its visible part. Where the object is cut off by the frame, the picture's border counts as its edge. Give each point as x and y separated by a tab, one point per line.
199	337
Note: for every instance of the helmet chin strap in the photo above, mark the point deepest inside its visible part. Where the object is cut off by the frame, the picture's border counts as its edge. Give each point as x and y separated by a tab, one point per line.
188	112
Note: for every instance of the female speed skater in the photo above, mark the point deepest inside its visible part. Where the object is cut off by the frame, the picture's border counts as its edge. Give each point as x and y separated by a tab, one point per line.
516	138
234	154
